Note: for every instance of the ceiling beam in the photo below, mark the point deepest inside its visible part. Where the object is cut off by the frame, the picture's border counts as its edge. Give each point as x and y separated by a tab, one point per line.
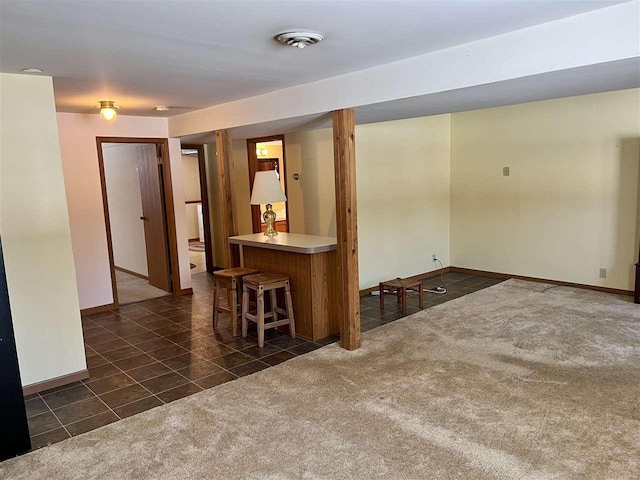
599	36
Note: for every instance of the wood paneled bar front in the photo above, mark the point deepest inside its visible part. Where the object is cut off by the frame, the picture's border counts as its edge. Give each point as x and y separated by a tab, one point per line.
310	263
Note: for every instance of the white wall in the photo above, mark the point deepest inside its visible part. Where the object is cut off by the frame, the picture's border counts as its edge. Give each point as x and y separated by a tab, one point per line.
78	134
570	206
35	232
125	205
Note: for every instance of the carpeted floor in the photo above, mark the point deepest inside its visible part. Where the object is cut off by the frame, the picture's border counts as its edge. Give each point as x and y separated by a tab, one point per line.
517	381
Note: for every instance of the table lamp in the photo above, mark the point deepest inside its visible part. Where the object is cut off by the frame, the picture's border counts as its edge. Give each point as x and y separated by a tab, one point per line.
267	190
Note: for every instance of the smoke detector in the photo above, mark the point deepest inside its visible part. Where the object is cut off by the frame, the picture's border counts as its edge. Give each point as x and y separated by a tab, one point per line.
299	38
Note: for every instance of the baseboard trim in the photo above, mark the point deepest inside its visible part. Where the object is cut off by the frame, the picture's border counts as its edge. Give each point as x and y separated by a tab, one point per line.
541	280
421	276
55	382
131	272
99	309
186	291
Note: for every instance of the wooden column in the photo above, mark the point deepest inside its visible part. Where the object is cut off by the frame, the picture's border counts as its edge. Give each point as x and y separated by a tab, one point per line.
229	213
344	157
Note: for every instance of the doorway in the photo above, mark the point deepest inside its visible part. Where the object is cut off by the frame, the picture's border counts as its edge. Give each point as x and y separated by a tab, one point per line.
197	209
138	206
268	153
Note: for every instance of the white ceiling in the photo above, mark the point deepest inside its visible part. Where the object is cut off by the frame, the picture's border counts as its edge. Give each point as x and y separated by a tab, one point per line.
200	53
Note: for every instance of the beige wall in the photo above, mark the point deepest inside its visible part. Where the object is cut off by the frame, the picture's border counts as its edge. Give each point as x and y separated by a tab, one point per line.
35	232
311	199
78	134
243	192
403	197
125	205
403	193
191	174
570	206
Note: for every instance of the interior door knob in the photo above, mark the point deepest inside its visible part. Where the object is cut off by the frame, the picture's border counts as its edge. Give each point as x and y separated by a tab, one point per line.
143	218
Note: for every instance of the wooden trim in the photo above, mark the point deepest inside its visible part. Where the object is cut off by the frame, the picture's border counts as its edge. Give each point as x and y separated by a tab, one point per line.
344	157
99	309
420	276
170	213
55	382
204	199
506	276
190	202
253	168
131	272
107	222
229	214
163	146
194	239
186	291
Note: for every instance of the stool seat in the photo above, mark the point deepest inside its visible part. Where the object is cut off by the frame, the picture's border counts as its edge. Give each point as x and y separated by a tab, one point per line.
402	286
262	283
234	272
231	279
265	278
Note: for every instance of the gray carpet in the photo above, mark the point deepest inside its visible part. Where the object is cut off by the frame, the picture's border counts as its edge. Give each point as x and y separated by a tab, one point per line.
512	382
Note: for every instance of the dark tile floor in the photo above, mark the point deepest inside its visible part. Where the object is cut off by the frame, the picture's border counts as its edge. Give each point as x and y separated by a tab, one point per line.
154	352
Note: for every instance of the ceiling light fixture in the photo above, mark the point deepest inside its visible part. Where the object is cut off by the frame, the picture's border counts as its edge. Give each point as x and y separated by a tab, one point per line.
161	108
299	38
108	111
32	70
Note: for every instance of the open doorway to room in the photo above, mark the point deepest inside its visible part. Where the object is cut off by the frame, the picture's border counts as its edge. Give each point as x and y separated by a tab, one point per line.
136	190
268	153
197	209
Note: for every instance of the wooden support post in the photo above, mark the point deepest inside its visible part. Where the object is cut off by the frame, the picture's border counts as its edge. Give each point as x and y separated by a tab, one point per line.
224	150
344	157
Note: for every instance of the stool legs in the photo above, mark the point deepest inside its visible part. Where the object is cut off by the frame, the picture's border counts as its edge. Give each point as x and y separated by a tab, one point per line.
260	316
381	297
274	304
233	306
245	309
215	304
289	302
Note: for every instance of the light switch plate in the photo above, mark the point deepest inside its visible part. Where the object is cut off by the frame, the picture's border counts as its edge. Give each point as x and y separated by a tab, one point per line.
505	171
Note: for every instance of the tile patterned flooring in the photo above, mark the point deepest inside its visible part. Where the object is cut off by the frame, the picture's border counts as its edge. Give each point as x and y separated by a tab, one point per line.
154	352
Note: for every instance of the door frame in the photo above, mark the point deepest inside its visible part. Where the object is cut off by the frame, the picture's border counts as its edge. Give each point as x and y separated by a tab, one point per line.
169	208
253	168
204	198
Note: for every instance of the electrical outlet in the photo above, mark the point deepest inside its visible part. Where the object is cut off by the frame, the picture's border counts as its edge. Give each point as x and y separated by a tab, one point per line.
506	171
433	257
603	273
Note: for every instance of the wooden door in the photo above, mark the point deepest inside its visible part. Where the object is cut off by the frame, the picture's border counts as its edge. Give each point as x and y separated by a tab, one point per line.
153	216
262	164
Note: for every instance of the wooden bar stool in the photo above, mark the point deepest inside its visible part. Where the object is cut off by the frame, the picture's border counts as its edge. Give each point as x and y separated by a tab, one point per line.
261	283
231	279
402	286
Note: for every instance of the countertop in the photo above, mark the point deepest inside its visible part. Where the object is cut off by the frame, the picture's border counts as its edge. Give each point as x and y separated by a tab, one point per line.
287	242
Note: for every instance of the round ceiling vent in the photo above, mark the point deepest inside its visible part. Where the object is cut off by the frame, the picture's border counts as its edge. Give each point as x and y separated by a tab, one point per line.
299	38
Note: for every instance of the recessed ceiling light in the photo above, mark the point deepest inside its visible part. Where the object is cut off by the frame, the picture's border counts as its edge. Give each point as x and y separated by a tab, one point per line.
32	70
161	108
299	38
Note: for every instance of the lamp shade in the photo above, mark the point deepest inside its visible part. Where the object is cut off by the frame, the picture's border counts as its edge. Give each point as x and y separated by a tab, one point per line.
267	189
